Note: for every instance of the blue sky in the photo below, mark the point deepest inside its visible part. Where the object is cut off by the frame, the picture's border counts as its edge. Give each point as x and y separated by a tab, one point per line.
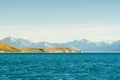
62	20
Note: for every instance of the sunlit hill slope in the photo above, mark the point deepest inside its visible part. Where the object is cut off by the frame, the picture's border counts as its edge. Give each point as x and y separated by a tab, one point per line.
8	48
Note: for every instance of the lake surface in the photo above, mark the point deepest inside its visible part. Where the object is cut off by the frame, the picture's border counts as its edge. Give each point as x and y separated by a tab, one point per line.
60	66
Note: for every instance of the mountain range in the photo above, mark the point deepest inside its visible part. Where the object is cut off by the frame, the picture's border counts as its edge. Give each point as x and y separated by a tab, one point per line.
84	44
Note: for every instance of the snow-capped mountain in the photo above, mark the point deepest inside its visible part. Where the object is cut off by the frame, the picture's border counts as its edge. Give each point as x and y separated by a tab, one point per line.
84	45
17	42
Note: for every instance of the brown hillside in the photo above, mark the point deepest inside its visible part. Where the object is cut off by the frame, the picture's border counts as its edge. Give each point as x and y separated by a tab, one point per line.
59	49
7	48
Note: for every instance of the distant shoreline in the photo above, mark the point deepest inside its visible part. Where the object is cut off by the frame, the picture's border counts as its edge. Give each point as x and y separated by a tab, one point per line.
59	53
40	52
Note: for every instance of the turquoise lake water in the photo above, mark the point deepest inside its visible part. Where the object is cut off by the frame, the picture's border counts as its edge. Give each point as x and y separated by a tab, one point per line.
60	66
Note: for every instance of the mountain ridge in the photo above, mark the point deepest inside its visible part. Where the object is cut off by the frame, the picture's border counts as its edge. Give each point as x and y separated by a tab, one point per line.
84	44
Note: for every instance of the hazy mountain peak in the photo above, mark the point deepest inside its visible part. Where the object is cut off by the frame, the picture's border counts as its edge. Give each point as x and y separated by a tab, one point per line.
9	39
